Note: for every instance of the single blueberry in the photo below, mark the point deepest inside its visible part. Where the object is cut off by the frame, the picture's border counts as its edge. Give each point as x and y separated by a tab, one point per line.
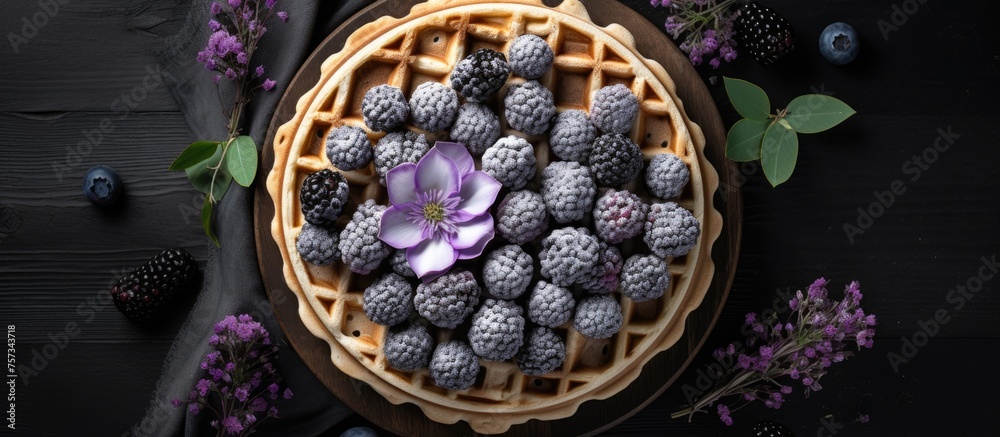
102	186
360	431
839	43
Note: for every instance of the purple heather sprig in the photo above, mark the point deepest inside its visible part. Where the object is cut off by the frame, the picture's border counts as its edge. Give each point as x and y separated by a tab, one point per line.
707	27
241	381
814	336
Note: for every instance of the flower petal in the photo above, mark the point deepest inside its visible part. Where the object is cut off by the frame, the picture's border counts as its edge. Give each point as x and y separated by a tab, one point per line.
431	257
458	154
476	249
479	191
398	231
436	172
401	183
472	231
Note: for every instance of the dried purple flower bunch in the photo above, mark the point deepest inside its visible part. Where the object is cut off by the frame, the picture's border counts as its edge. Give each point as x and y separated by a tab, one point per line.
707	27
237	27
814	336
242	382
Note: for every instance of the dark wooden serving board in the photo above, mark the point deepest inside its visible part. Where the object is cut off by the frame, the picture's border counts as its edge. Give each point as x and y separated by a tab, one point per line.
593	416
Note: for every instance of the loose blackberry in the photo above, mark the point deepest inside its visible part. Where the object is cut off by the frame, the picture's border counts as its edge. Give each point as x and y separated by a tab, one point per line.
529	107
142	294
542	353
771	429
476	126
670	230
480	75
397	148
454	365
348	148
644	277
360	247
507	272
511	161
497	331
323	196
764	33
666	176
530	56
433	106
568	255
521	217
568	191
572	136
619	215
598	316
550	305
384	108
613	109
318	245
408	347
400	265
389	300
449	299
615	160
603	277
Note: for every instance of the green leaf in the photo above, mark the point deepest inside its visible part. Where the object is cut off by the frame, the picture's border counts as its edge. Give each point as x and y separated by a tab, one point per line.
743	141
241	160
206	221
748	99
813	113
778	153
200	176
195	153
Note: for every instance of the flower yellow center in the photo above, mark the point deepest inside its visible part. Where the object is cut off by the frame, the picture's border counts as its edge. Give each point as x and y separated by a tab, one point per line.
433	212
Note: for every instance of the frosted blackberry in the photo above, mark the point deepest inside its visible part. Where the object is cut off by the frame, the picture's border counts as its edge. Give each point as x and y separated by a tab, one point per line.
454	365
384	108
543	352
480	75
348	148
521	217
530	56
619	215
670	230
433	106
396	148
408	347
318	245
568	191
603	278
666	176
476	126
529	107
389	300
598	316
615	160
507	272
400	265
323	196
449	299
572	136
550	305
613	109
644	277
497	330
360	246
568	254
511	161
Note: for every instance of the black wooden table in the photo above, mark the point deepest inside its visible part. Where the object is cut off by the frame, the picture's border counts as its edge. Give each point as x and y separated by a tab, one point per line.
925	87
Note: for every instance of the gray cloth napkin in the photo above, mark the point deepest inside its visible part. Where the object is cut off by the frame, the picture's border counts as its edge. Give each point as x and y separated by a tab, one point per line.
232	279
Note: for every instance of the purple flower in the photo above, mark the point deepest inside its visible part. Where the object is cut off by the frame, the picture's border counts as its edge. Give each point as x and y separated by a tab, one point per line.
193	408
863	418
270	3
203	386
287	394
283	16
251	418
258	405
231	423
214	25
268	85
440	210
241	394
215	8
176	402
273	388
235	3
259	71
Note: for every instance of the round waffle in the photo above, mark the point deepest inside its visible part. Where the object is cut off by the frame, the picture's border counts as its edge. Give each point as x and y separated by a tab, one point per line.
425	46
